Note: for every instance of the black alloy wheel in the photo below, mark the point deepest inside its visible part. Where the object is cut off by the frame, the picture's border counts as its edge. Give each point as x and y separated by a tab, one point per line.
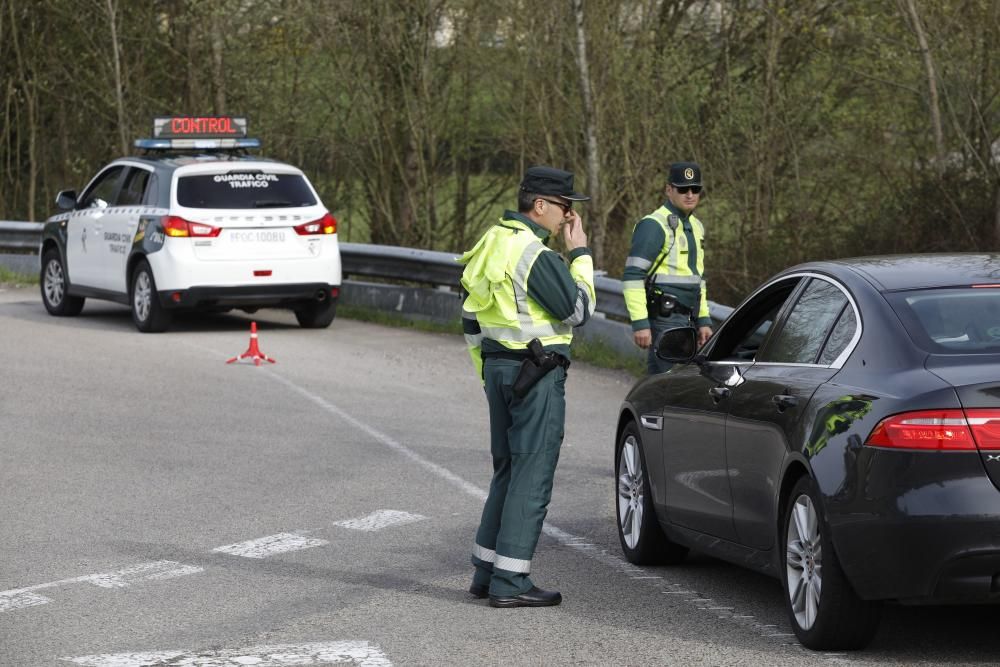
641	536
54	284
147	312
825	612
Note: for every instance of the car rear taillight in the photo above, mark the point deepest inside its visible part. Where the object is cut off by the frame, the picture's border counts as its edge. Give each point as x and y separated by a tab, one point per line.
176	226
325	225
943	430
985	425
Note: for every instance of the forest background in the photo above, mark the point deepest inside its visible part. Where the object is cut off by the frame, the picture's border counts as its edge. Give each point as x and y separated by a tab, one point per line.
825	128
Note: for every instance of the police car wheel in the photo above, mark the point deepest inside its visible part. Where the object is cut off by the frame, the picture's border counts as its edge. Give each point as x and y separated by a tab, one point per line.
54	287
316	315
147	312
642	539
825	612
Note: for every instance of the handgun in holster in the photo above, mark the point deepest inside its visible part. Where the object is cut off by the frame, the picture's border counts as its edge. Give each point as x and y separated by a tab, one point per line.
535	367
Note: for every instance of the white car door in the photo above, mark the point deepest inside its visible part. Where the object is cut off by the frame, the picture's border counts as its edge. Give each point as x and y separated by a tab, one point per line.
119	227
85	251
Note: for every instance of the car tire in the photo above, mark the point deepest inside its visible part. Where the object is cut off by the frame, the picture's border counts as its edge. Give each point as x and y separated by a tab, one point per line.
54	284
317	314
825	612
147	312
642	539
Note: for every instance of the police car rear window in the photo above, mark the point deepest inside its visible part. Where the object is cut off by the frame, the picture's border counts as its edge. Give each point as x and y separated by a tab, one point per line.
952	321
244	189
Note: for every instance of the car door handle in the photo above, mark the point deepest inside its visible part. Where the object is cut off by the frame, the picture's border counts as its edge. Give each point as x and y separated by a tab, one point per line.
784	401
719	393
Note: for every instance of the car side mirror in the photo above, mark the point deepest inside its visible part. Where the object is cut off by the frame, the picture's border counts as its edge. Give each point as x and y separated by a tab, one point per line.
66	200
677	345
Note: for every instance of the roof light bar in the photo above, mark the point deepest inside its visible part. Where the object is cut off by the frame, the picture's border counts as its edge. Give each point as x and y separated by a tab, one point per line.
201	144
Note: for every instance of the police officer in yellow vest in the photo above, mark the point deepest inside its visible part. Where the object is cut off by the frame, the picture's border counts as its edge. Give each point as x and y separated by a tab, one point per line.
662	280
523	301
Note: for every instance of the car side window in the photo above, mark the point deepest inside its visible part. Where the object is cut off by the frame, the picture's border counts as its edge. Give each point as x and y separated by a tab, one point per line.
152	191
101	193
807	326
134	187
746	329
843	332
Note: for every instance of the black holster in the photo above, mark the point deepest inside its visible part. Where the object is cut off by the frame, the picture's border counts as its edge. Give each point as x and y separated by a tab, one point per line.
663	304
535	367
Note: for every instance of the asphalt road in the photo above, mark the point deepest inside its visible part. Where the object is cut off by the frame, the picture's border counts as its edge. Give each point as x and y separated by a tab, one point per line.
158	506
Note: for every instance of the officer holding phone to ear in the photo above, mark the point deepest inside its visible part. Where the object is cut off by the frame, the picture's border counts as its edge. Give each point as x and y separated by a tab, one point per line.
662	281
523	301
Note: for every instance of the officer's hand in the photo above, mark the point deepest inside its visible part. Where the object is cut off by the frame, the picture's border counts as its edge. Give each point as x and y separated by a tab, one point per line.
643	338
572	231
704	333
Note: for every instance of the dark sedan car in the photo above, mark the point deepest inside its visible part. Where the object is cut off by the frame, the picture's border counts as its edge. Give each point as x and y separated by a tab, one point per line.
840	431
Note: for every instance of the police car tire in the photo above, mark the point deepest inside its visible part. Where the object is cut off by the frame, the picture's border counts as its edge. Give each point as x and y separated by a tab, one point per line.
54	287
316	315
843	621
653	547
149	315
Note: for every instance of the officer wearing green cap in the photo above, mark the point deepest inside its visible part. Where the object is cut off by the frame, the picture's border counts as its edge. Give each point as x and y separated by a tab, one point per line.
523	301
662	281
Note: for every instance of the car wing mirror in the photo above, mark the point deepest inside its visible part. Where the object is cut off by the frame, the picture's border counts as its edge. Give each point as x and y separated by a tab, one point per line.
66	200
678	345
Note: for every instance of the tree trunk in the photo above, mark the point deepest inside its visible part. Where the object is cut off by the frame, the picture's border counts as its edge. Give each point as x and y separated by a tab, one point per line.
599	217
218	72
935	107
119	85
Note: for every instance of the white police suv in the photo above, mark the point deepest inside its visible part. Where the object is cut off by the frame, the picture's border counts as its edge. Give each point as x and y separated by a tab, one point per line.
193	223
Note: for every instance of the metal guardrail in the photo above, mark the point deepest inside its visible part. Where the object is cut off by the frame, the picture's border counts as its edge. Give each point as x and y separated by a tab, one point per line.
19	235
394	263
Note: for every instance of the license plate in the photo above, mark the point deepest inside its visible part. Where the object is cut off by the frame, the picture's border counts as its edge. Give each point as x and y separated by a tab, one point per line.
257	236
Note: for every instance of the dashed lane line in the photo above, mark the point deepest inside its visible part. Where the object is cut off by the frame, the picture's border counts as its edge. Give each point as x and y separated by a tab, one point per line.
277	655
19	598
379	520
262	547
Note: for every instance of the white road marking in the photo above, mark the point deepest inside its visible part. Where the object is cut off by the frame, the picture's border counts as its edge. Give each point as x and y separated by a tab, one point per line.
11	600
162	569
262	547
278	655
379	520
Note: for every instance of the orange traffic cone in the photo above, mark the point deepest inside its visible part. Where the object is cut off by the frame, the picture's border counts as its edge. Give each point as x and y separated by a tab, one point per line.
253	352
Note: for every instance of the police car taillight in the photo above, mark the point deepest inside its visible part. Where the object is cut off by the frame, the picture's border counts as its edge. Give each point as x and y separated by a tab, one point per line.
325	225
176	226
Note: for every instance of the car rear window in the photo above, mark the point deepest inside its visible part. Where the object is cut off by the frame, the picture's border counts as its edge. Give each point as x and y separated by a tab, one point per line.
952	321
244	189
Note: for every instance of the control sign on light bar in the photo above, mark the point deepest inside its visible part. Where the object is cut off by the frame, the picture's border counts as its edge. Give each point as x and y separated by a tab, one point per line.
199	127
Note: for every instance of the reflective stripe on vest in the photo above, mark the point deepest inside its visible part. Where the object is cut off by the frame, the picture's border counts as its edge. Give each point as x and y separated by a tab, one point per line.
668	271
512	249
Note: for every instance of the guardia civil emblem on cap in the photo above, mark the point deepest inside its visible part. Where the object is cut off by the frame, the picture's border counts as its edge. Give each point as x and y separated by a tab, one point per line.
689	174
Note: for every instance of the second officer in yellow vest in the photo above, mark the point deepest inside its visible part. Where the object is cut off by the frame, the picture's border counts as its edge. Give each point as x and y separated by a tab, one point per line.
663	278
523	302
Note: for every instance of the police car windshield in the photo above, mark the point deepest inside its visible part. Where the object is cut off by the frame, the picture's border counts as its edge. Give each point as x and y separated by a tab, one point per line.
245	189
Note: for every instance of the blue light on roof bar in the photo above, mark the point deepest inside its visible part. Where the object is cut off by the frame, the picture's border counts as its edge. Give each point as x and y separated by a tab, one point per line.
196	144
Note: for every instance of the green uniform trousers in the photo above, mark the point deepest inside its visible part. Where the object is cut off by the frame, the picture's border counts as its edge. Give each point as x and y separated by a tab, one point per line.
525	436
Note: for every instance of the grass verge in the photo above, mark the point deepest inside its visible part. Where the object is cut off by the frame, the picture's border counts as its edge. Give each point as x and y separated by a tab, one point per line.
10	278
591	352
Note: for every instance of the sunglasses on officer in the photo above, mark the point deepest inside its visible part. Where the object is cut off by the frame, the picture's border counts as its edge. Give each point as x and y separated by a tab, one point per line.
566	207
684	189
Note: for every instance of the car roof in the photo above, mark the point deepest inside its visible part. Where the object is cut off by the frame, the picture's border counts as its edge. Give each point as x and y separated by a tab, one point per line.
901	272
171	160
